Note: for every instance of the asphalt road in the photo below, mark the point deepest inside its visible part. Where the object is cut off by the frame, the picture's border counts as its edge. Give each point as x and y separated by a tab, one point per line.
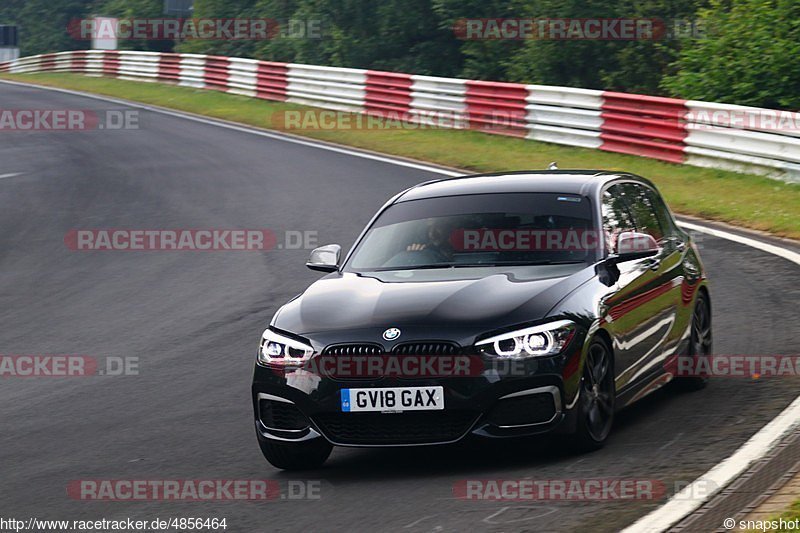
194	319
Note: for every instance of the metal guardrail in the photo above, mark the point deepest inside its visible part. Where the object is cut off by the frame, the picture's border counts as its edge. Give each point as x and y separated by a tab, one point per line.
738	138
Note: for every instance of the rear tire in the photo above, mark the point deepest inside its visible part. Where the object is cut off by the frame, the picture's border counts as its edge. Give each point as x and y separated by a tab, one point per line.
700	343
595	409
296	455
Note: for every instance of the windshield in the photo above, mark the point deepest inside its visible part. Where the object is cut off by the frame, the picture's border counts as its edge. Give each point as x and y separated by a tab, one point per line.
485	230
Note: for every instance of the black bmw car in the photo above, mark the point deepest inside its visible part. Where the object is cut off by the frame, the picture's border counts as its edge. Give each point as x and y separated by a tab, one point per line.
497	306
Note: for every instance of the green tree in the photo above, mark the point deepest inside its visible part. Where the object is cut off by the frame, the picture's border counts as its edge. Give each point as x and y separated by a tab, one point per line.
221	9
746	56
635	66
135	9
43	24
749	56
397	35
480	59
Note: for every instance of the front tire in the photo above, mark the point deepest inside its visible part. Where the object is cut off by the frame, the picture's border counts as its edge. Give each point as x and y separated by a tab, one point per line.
296	455
700	343
595	410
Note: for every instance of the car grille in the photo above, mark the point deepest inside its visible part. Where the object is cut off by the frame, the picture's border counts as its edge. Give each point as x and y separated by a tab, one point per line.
406	348
281	415
523	410
353	349
426	348
395	428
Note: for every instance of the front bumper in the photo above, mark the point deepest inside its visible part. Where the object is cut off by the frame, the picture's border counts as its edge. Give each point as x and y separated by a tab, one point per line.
532	397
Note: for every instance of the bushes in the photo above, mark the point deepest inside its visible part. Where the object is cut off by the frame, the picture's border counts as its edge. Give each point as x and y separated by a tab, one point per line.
749	56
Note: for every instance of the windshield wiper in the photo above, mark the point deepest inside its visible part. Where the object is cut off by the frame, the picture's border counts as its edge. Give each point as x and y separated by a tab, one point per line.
516	263
474	265
412	267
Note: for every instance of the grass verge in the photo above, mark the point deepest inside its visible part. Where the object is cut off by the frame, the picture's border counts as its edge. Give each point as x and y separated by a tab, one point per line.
744	200
789	517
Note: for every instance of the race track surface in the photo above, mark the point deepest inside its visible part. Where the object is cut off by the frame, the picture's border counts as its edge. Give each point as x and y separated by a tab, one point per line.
194	319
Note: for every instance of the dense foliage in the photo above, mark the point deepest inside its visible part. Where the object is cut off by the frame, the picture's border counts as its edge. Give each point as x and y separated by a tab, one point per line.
749	57
740	51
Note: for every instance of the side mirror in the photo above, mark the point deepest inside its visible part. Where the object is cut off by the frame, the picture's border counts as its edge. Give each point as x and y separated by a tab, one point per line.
325	258
632	245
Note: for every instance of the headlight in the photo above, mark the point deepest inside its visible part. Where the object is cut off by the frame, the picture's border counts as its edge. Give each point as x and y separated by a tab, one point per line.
536	341
277	349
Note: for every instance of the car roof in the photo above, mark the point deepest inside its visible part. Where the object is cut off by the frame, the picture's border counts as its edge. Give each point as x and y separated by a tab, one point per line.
581	182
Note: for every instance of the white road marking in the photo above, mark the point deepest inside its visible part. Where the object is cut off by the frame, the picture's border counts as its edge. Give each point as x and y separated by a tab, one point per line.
687	501
13	174
414	523
670	443
676	508
753	243
572	465
539	513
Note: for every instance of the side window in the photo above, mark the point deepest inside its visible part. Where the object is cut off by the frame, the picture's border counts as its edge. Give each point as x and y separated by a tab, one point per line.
616	217
663	214
643	206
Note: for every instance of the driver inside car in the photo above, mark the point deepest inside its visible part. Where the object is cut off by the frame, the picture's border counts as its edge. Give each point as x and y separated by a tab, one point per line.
438	245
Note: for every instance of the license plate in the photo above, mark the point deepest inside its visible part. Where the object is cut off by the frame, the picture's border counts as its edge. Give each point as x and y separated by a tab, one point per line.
393	399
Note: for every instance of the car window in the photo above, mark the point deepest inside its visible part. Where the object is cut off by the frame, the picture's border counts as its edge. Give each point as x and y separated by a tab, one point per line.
496	229
642	204
616	216
663	214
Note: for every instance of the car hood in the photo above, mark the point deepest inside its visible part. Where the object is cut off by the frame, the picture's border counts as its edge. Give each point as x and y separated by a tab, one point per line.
351	302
